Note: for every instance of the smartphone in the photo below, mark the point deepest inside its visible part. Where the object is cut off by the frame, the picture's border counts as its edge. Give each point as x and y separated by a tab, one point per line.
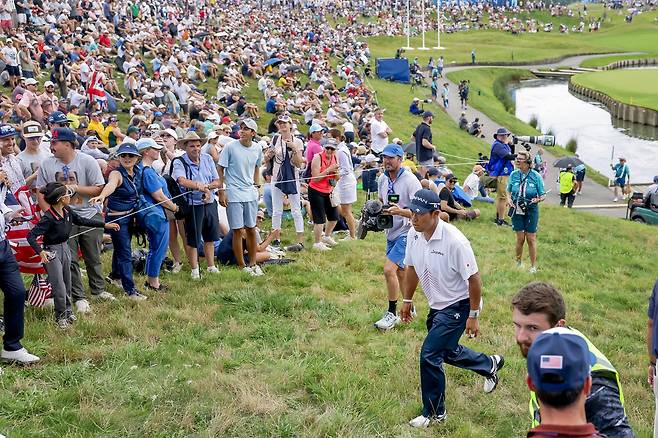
393	198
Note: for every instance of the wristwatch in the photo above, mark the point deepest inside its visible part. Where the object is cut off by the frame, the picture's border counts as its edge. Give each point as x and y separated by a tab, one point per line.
474	314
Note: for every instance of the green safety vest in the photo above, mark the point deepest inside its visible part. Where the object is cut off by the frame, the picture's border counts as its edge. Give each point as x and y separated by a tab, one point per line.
602	368
566	182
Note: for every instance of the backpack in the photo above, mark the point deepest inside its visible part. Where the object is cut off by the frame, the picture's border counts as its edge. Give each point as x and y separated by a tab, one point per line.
175	190
285	180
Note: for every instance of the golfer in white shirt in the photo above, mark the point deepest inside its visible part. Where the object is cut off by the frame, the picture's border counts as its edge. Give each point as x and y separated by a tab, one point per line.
440	257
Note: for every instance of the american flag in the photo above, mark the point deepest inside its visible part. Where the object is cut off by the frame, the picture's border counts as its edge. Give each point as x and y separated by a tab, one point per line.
39	291
549	362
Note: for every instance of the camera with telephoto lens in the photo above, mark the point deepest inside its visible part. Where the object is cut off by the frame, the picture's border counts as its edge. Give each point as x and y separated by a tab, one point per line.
427	100
522	205
542	140
373	217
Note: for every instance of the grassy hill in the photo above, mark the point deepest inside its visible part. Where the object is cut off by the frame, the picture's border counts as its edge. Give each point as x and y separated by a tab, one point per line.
294	353
635	87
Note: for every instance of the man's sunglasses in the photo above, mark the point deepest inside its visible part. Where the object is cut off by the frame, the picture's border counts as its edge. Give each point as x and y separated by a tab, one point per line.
127	156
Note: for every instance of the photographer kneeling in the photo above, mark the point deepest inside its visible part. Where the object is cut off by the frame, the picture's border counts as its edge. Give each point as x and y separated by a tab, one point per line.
525	190
396	187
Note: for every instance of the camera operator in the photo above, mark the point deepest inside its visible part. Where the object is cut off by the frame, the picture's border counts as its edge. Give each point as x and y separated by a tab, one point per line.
396	187
499	168
525	190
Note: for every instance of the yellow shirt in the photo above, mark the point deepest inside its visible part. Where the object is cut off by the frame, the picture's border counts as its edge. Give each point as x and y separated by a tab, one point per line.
409	164
100	131
74	119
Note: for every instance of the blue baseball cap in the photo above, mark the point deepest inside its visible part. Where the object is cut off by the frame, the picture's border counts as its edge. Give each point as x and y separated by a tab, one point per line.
559	360
424	201
58	117
157	114
427	114
64	134
7	131
315	127
128	148
392	150
655	179
147	143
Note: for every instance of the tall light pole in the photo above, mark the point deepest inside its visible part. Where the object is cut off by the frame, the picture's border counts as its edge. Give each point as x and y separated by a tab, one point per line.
408	26
438	26
422	23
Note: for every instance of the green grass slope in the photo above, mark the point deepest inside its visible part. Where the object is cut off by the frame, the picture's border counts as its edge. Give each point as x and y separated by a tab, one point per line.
634	86
294	353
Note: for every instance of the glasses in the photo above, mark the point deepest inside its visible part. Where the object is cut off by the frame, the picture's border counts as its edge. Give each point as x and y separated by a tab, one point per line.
127	156
453	181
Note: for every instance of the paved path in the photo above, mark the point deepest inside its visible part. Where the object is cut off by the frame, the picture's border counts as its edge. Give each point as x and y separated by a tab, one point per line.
594	195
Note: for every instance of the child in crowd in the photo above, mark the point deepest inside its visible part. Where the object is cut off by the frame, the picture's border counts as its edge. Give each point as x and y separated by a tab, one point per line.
55	227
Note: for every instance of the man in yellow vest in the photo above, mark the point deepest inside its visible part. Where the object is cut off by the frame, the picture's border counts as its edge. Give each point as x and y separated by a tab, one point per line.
538	307
567	187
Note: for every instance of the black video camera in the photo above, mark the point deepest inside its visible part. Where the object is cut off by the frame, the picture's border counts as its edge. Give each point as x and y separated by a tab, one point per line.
373	217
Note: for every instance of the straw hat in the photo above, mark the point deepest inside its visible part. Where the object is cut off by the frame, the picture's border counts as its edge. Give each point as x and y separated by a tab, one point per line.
190	136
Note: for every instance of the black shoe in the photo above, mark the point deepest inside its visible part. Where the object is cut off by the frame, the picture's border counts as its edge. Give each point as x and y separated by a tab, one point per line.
276	242
162	288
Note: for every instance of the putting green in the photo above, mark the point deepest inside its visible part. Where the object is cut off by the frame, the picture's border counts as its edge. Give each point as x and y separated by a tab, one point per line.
635	87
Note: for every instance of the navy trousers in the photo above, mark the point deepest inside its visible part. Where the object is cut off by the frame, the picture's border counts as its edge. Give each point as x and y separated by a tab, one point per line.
12	286
122	265
445	327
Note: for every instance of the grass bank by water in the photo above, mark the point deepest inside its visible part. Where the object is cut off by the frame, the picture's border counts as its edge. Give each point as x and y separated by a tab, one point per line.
634	86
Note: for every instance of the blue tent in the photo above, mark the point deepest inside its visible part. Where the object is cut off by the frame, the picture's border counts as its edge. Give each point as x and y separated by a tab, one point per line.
391	69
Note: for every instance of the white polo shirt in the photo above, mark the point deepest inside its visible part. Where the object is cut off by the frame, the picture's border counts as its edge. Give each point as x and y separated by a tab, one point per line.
443	264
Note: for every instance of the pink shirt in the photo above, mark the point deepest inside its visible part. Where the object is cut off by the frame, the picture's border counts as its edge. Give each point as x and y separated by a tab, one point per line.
313	147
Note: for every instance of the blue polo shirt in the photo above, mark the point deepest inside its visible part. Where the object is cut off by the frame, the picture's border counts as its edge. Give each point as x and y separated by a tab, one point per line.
653	315
205	172
534	187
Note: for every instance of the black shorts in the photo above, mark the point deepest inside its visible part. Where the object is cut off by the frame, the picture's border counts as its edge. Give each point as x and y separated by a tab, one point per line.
202	224
321	207
580	175
13	70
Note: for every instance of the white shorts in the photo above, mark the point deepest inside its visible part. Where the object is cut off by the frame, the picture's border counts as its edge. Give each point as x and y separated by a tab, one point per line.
347	189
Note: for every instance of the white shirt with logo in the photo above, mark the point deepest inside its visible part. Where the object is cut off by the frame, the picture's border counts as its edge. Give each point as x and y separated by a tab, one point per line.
443	264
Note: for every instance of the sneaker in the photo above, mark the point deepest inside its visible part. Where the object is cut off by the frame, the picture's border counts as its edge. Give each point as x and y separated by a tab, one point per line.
347	238
257	271
71	317
63	323
212	269
423	422
176	268
196	275
297	247
105	296
533	270
519	264
82	306
321	247
329	241
113	281
491	382
615	200
136	296
388	321
161	288
18	356
249	270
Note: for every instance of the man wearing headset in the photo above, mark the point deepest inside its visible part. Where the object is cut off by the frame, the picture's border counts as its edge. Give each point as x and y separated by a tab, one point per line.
525	190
